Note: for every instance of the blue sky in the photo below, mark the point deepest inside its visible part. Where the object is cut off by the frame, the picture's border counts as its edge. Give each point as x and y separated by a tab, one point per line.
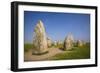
57	25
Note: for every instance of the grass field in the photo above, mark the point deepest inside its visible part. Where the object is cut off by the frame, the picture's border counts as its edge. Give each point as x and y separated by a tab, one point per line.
27	47
76	53
82	52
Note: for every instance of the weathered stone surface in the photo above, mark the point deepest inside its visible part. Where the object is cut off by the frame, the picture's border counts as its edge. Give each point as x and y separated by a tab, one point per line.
68	42
39	39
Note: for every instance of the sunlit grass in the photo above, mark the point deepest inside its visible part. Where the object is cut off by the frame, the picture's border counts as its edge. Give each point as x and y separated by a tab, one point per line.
27	47
76	53
82	52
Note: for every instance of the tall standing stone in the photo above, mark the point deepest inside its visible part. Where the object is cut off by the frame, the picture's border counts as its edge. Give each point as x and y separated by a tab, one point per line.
39	39
68	42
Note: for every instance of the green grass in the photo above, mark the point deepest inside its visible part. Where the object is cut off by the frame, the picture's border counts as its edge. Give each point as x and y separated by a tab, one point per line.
27	47
76	53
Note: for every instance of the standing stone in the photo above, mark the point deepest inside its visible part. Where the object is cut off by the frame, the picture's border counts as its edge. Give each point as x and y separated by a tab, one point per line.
79	43
39	39
68	42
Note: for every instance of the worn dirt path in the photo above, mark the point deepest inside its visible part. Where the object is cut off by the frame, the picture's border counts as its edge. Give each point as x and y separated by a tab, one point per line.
52	51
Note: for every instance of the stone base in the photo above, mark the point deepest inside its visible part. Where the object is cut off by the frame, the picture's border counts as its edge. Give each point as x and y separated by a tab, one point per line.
39	53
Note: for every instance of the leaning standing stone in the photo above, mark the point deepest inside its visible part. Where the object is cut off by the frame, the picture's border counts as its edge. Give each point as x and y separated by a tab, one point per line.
39	39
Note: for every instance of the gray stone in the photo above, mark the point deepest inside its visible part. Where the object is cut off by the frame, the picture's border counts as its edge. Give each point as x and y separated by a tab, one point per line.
68	42
39	39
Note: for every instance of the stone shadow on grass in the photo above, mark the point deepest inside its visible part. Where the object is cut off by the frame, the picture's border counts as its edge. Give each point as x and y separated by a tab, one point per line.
40	53
63	49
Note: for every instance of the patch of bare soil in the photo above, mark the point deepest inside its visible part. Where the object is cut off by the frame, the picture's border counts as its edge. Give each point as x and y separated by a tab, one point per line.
52	51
